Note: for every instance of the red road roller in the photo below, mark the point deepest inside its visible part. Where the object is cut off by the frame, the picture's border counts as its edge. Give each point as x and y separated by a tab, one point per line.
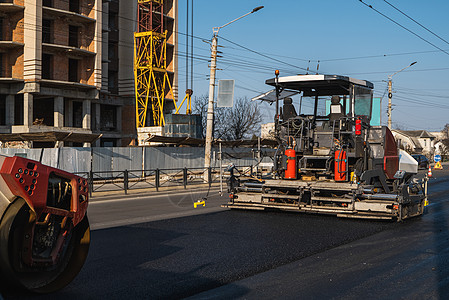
44	231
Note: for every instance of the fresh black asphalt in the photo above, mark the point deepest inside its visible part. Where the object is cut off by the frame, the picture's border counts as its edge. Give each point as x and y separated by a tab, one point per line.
183	257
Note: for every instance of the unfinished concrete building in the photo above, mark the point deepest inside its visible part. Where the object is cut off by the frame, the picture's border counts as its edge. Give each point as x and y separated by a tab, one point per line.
66	69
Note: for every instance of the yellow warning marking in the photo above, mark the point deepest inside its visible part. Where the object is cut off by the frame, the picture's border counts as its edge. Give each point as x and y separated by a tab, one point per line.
426	202
438	166
198	203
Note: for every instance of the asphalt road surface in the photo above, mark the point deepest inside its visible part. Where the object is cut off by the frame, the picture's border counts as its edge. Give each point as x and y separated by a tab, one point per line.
146	247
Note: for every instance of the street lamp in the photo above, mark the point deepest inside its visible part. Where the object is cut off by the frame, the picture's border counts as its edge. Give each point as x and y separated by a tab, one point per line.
210	107
390	92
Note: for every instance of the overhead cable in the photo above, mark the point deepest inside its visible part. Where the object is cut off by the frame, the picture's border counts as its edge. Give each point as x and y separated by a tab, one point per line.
405	28
424	27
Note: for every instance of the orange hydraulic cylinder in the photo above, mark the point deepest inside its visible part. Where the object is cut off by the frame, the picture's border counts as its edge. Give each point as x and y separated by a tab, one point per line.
340	173
290	172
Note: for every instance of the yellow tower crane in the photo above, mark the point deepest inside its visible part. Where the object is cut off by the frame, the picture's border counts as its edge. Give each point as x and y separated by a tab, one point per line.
152	83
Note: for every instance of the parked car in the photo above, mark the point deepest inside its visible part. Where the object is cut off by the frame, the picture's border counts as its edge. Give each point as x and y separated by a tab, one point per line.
423	162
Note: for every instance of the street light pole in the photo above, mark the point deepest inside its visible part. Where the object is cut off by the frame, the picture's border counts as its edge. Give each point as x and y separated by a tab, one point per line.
390	92
210	106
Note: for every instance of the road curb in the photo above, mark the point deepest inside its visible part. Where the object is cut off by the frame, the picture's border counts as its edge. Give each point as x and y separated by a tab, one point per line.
151	195
167	216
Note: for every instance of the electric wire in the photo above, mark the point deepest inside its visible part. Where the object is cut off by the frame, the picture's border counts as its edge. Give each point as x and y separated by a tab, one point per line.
261	54
422	26
421	102
196	37
406	71
191	47
423	95
187	45
242	63
405	28
247	49
236	63
334	59
381	55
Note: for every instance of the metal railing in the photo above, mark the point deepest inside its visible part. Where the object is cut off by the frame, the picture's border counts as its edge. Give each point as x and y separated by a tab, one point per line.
155	178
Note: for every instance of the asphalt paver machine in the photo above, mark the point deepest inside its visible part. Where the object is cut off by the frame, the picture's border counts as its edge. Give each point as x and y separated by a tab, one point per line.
44	231
332	162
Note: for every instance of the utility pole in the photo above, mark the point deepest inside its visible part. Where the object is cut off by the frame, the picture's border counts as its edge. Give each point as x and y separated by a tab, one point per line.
278	92
390	92
210	106
390	95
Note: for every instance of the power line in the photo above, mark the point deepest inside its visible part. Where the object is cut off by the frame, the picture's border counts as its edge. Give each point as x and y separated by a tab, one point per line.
416	22
261	54
421	102
187	45
191	48
403	27
343	58
419	89
232	63
300	59
407	71
381	55
424	95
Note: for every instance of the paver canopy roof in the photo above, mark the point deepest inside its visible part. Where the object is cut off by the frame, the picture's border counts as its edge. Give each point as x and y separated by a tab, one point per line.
321	85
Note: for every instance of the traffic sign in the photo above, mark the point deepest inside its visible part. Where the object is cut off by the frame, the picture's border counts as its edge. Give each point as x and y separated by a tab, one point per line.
437	158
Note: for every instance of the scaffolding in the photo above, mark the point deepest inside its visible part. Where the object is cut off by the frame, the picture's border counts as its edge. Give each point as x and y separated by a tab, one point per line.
152	83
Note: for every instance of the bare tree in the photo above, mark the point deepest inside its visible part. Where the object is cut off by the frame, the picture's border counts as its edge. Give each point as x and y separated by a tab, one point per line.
444	148
399	127
233	123
200	107
243	120
445	131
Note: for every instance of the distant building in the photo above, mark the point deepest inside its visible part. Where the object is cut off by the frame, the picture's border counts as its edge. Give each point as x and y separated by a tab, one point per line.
267	131
67	66
439	135
415	141
440	148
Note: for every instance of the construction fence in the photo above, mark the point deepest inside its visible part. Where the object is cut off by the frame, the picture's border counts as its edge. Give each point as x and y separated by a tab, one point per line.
124	168
104	159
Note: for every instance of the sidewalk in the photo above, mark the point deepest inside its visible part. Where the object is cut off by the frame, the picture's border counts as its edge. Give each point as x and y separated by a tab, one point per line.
162	190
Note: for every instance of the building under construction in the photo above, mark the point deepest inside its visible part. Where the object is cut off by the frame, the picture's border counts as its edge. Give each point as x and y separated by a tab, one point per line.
67	66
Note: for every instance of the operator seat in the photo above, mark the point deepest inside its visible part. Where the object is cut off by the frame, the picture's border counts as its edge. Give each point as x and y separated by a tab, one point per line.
336	110
288	110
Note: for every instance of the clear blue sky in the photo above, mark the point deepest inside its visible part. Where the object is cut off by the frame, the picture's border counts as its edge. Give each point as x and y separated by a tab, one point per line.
347	38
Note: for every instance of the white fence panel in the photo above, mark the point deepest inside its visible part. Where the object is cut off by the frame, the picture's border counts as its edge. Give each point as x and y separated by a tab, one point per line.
107	159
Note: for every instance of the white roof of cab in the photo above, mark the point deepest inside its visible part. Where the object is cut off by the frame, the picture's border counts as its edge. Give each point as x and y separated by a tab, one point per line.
324	84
